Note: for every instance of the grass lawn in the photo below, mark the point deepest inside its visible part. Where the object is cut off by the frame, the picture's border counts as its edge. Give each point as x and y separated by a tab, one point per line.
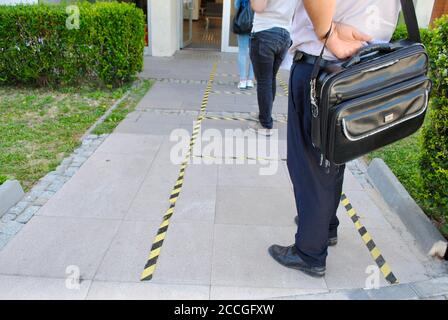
39	127
403	159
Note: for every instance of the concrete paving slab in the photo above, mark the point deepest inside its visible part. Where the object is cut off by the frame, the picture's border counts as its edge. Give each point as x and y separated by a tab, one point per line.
395	292
255	206
197	202
249	175
405	265
131	144
151	200
173	96
350	182
46	246
249	293
354	294
347	262
146	291
142	127
35	288
154	117
248	264
431	287
128	252
369	214
186	255
104	187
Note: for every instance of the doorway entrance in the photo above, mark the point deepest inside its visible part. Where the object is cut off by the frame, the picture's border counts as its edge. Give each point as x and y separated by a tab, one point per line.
205	25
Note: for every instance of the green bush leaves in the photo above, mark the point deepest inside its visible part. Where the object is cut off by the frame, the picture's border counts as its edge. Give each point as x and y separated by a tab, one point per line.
37	47
434	158
434	141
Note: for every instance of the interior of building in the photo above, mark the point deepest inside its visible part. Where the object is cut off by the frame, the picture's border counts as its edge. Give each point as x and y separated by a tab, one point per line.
202	24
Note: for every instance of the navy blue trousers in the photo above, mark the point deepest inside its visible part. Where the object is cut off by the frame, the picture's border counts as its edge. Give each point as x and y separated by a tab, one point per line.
317	191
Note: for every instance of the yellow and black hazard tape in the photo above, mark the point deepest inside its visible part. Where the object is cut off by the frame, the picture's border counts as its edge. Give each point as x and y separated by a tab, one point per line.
284	85
213	117
230	118
154	254
242	93
239	158
367	239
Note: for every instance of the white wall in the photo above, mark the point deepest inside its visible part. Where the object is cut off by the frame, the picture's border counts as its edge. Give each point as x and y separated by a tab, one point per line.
164	27
423	9
18	1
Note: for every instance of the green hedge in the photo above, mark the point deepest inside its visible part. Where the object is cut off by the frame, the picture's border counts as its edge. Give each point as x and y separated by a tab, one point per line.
434	159
434	138
37	48
3	179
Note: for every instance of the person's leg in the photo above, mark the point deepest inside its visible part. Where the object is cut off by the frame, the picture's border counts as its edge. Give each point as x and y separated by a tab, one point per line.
334	222
243	51
262	52
284	43
250	75
314	189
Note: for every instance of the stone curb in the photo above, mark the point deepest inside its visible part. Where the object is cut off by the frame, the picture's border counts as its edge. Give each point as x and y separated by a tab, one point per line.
399	200
436	288
10	193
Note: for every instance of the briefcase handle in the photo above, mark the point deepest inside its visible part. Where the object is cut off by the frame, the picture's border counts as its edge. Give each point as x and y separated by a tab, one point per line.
376	47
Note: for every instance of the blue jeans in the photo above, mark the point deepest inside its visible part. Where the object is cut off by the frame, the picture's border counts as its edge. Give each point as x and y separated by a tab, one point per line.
317	192
244	64
267	51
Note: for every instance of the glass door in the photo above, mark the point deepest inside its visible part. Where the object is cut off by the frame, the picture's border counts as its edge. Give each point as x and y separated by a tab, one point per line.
229	42
186	23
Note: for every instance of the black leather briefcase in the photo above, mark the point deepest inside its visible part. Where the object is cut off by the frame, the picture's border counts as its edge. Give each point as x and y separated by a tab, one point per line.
377	97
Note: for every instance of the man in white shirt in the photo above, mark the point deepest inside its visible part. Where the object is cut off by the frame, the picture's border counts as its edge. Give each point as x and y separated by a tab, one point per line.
349	24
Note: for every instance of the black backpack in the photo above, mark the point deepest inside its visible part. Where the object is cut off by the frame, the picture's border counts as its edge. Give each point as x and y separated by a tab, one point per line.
243	20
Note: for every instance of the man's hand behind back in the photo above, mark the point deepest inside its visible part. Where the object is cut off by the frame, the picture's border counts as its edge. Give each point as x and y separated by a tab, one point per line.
346	40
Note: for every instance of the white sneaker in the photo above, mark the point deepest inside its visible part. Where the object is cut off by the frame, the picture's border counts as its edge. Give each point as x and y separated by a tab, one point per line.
259	129
250	84
242	85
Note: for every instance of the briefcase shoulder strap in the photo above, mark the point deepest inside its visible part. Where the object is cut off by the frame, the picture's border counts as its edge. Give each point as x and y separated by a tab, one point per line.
410	18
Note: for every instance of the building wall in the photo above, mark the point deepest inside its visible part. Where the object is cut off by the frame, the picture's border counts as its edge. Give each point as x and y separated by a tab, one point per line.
440	8
423	9
164	26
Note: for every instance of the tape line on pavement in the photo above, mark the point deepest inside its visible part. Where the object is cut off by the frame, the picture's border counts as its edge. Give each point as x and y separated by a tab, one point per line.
154	254
210	117
368	240
239	158
284	85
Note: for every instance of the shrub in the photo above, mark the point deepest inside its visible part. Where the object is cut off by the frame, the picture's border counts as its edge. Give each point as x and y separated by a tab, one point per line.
38	48
434	158
433	178
3	179
401	33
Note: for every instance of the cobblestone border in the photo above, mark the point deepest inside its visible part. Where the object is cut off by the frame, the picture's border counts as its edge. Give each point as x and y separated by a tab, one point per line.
16	217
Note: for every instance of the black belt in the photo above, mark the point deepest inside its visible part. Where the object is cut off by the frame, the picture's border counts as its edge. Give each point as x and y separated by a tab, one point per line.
300	56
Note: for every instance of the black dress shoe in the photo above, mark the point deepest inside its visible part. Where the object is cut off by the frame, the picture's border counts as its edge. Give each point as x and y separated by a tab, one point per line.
288	257
331	241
